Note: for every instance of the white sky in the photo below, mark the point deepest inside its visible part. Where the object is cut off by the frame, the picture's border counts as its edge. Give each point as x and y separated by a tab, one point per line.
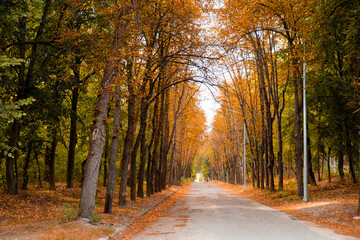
208	104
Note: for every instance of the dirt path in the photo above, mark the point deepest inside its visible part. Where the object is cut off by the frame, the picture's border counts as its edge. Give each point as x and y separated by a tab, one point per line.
209	212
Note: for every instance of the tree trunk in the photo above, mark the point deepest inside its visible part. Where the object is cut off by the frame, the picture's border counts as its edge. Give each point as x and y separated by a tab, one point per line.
92	165
10	160
164	141
73	138
341	163
328	165
319	170
309	161
113	153
36	153
149	185
106	153
280	153
297	127
50	158
26	167
129	139
15	128
88	191
143	126
349	152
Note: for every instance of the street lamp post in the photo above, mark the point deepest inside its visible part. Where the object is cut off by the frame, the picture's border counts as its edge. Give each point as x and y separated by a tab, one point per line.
244	154
305	199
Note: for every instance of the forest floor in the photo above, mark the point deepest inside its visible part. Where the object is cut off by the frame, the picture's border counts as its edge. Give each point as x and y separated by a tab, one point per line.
332	205
39	213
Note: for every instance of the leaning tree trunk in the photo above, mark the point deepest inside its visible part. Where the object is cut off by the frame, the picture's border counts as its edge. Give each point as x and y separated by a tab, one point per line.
113	154
93	161
88	190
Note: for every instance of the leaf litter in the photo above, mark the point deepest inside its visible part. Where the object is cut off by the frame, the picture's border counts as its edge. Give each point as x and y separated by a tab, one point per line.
39	213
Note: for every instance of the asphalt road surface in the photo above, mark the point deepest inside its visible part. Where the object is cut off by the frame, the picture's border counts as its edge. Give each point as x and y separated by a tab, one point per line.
209	212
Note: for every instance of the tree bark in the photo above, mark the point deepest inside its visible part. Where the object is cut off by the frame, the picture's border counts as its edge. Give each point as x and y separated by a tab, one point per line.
113	153
10	160
106	154
309	159
349	152
328	165
129	139
50	158
143	124
73	138
341	163
92	165
36	153
297	127
88	191
26	167
149	176
164	141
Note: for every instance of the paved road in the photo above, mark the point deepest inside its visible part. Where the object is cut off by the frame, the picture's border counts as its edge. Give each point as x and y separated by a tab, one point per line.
209	212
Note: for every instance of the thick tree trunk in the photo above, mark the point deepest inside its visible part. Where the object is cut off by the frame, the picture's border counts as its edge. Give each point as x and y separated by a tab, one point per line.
109	196
92	165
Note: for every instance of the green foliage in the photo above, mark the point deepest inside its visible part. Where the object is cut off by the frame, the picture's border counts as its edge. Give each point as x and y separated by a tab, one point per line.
205	169
11	110
6	61
294	197
186	180
95	217
70	212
